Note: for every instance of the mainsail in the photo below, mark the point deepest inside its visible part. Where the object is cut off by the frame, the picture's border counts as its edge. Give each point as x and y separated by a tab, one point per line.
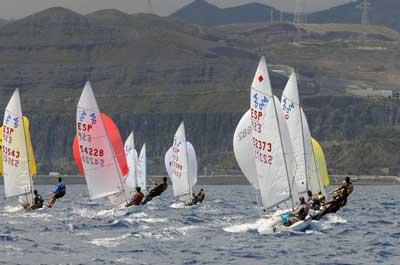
290	104
17	152
271	144
141	171
101	169
181	165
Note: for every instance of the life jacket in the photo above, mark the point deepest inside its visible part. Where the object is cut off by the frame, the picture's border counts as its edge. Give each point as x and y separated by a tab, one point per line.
321	198
349	189
137	199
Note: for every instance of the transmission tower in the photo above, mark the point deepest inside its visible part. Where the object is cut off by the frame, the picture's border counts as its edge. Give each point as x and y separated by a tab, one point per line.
364	6
299	12
149	7
271	16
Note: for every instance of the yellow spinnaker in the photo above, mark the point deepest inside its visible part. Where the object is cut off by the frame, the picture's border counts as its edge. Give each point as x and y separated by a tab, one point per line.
31	155
320	161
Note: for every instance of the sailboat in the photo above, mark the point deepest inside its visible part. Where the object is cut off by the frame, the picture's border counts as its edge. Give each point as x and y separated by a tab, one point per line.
181	166
272	153
18	166
130	181
103	160
141	170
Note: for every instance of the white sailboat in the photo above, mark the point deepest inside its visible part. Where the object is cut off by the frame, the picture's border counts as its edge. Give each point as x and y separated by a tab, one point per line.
181	166
103	174
141	171
272	151
131	182
17	153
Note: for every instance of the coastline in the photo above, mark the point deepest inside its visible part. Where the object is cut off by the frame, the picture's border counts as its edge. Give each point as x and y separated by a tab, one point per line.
227	180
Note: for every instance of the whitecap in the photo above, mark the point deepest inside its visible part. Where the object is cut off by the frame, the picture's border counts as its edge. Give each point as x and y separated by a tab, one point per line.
109	241
13	209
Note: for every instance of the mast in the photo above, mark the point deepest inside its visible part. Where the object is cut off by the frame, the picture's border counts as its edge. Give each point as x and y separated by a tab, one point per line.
284	151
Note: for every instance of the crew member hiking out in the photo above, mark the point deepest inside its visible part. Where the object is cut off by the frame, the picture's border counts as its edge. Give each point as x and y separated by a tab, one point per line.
58	192
37	201
157	190
137	199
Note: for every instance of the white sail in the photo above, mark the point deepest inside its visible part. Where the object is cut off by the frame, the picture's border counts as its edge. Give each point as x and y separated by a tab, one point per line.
17	178
243	149
102	173
290	104
130	181
141	169
274	173
313	178
192	159
181	165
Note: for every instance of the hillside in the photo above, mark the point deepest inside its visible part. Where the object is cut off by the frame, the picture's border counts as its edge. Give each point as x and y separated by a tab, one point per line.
201	12
149	73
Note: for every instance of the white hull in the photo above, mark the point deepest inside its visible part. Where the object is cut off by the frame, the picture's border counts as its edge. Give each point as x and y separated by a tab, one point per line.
182	205
123	211
273	224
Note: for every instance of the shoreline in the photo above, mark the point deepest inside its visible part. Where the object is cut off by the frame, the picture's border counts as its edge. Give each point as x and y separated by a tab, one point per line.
227	180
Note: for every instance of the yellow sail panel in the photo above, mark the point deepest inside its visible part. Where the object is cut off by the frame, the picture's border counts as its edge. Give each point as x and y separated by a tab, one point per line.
320	161
31	155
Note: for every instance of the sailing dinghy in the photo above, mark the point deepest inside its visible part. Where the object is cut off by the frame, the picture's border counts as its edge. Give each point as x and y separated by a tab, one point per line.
136	175
98	151
272	153
18	166
181	166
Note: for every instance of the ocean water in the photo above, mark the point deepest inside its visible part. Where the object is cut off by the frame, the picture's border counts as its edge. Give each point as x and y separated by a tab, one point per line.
222	231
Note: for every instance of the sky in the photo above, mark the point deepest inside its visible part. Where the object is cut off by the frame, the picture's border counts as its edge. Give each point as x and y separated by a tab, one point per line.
14	9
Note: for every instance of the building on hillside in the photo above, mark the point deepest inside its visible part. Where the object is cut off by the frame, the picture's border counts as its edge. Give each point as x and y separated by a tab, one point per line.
370	92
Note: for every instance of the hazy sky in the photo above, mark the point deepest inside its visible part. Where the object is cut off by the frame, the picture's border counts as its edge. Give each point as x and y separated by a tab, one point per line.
21	8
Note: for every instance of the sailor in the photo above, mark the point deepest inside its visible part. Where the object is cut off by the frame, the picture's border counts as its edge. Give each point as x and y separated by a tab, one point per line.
321	197
37	201
137	199
157	190
344	191
312	201
58	192
201	195
300	213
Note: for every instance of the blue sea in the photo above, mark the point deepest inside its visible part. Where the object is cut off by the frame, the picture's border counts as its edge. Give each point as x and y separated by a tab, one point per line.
222	231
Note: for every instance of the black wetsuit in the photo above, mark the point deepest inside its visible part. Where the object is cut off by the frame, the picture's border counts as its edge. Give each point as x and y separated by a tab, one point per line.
37	202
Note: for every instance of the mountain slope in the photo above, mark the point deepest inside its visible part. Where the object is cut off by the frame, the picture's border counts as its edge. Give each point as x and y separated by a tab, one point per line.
201	12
